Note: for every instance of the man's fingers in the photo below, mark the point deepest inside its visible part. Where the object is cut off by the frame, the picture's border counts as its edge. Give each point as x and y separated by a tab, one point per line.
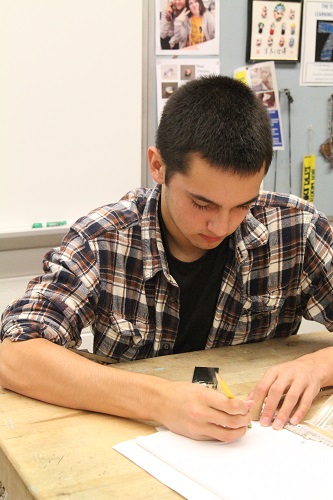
225	434
290	401
294	403
256	410
303	407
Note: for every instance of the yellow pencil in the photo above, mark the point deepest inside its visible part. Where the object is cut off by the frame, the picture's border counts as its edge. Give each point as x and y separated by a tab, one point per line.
223	386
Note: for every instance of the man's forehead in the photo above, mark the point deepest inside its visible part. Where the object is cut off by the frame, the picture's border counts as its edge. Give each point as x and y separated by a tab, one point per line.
220	187
195	159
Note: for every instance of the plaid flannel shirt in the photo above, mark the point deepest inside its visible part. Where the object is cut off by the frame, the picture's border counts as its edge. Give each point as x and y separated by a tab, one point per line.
111	272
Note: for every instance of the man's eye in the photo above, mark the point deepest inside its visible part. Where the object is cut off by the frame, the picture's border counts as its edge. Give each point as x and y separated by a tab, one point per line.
199	207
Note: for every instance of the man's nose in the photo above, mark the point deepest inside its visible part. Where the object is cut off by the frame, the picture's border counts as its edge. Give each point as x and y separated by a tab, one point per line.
219	226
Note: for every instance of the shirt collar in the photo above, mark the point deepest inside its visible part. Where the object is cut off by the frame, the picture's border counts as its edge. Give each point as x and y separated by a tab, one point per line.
154	256
250	234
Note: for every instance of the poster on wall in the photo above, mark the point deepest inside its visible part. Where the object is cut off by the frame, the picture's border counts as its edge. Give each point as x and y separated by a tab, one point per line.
172	73
317	44
261	77
274	30
186	27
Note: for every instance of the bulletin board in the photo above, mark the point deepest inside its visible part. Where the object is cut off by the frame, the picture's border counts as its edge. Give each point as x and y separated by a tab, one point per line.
71	107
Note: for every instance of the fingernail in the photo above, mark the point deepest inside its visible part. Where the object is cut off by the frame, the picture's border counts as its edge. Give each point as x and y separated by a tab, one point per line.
265	421
277	424
294	421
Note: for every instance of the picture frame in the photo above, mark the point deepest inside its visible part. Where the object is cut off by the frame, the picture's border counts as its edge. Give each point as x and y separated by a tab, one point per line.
274	31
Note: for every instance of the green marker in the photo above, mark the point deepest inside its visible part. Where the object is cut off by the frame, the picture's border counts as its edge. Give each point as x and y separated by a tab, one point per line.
50	224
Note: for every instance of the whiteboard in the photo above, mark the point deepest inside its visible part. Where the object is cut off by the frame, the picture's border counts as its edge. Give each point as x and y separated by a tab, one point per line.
70	107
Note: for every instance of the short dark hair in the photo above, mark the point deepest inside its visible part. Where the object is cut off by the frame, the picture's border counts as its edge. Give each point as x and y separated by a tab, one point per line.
220	119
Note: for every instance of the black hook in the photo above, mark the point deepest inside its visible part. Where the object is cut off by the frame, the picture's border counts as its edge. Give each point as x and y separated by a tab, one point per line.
287	92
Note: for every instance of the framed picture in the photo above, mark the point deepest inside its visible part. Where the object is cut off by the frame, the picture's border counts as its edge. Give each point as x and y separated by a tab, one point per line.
274	31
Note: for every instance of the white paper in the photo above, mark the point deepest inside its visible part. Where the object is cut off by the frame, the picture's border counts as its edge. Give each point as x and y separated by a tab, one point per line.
172	73
316	62
163	472
264	464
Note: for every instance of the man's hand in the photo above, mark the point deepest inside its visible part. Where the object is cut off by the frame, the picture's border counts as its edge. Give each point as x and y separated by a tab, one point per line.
201	413
298	382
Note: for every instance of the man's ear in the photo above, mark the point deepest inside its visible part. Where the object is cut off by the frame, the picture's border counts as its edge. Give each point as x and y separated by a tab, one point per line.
157	168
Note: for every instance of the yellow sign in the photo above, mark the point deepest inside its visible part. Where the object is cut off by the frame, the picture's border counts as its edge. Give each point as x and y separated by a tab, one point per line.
308	178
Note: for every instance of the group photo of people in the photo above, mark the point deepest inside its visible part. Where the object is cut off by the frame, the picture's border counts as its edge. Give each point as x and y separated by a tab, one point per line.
185	24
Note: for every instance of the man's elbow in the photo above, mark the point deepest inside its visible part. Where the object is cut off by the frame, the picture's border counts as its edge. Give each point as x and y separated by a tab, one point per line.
7	363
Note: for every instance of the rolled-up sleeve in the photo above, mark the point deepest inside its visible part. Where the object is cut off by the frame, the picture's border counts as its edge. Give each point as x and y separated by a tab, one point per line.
59	304
318	273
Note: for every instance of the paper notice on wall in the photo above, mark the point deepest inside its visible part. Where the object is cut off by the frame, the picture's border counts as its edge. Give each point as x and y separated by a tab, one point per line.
172	73
317	44
261	77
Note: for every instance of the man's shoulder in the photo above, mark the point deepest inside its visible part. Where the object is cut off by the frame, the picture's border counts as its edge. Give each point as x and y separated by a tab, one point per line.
281	201
285	210
121	215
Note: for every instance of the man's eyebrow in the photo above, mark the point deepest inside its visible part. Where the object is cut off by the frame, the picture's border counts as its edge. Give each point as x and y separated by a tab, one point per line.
250	201
206	200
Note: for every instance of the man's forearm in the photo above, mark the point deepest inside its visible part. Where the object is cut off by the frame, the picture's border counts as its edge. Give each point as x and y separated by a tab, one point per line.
42	370
45	371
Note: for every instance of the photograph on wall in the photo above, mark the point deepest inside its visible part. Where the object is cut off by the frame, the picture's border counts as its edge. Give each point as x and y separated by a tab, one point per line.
172	73
274	31
186	27
317	44
261	77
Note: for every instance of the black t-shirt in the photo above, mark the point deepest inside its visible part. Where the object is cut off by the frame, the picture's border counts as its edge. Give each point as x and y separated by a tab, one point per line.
200	284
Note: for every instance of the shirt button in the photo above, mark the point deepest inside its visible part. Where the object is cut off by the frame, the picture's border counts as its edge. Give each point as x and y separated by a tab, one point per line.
166	346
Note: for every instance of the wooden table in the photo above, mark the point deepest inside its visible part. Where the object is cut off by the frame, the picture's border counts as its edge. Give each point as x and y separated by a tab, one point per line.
48	452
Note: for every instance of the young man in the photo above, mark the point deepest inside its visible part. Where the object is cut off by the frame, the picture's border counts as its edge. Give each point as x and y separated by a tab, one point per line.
200	261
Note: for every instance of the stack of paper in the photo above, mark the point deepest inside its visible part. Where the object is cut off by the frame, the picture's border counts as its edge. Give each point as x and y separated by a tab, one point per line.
264	464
